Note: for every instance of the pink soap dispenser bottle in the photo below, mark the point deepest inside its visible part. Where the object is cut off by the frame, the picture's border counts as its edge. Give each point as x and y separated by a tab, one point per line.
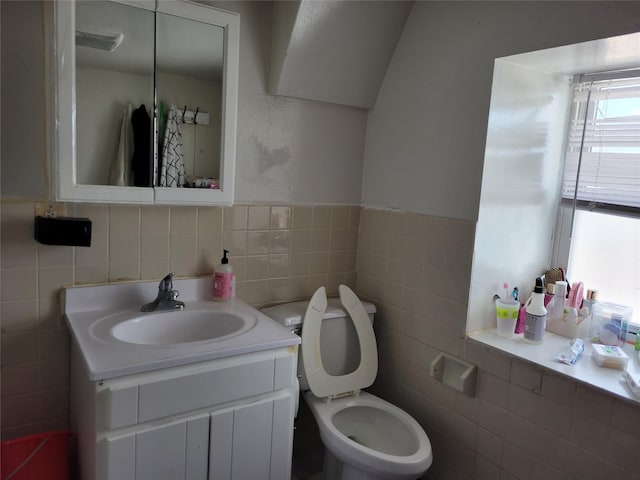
223	280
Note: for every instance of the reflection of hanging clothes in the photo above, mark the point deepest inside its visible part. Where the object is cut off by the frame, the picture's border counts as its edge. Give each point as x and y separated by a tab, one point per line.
172	165
121	164
141	162
162	121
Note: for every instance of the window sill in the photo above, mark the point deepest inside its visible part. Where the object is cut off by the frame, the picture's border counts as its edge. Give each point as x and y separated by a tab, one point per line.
585	370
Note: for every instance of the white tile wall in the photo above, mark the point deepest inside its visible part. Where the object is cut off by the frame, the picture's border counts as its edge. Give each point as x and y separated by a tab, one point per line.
524	423
129	243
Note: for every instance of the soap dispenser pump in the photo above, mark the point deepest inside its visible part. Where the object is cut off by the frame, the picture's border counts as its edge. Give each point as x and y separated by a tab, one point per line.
536	315
223	279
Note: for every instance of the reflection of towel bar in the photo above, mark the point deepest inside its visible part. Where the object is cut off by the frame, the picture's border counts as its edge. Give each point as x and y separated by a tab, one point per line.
203	117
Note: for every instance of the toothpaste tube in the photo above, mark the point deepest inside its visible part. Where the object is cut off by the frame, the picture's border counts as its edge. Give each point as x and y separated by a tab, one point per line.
571	355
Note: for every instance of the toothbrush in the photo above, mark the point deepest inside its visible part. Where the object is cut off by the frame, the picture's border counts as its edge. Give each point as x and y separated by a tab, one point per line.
505	285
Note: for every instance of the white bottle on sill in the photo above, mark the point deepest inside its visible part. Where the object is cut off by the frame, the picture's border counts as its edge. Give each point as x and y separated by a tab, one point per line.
556	306
536	315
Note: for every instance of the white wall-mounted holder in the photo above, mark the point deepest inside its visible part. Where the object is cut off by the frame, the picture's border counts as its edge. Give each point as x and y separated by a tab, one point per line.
455	373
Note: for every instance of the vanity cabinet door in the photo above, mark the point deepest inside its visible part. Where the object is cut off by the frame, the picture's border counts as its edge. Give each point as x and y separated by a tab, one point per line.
247	442
220	445
174	451
282	436
252	440
119	457
160	452
197	451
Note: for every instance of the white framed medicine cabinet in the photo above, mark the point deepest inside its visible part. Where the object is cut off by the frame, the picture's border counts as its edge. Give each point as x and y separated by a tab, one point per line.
129	75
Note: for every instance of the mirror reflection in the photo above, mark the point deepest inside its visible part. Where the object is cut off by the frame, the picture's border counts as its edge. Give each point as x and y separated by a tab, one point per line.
114	93
189	96
148	98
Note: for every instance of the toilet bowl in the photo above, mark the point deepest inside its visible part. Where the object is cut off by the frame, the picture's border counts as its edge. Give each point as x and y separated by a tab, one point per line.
365	436
369	438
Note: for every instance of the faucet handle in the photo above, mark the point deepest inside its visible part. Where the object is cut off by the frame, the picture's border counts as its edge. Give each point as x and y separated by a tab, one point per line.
166	284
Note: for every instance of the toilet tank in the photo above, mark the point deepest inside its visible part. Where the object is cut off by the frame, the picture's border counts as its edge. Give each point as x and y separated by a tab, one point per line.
339	346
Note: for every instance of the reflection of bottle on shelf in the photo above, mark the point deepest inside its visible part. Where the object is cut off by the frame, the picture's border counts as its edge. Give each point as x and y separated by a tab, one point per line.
202	182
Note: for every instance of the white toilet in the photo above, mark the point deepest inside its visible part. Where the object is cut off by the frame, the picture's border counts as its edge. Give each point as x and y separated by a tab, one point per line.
365	437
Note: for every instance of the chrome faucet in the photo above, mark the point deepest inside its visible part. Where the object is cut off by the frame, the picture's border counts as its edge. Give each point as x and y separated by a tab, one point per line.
167	298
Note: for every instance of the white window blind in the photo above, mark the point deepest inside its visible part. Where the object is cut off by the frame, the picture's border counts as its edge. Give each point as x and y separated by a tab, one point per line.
603	148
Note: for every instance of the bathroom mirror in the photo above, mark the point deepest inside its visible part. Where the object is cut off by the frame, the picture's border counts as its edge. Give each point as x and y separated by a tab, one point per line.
146	102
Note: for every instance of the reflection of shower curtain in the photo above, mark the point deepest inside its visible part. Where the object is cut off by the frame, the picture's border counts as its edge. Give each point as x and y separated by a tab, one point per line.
172	165
121	165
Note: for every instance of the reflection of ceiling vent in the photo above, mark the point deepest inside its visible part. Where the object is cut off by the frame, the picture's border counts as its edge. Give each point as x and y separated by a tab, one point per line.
107	42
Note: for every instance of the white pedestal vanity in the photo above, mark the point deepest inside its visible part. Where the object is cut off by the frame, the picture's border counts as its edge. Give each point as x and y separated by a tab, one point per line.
218	406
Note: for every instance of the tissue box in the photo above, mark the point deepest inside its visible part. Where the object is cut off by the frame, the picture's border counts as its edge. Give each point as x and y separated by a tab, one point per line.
609	323
610	356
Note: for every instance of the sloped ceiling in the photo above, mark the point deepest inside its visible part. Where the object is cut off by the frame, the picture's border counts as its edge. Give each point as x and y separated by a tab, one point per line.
334	51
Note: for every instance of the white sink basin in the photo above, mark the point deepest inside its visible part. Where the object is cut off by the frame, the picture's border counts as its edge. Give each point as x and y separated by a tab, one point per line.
172	328
114	338
168	328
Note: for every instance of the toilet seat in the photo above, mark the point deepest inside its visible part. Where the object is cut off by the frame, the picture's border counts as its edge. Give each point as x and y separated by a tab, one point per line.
320	382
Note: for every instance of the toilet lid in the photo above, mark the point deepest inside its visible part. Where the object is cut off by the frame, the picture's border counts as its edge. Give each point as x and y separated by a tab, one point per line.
320	382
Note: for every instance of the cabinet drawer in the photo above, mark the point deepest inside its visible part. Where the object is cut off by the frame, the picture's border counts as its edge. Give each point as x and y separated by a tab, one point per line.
120	406
204	389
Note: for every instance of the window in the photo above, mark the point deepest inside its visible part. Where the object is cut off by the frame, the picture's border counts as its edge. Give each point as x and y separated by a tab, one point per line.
600	207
